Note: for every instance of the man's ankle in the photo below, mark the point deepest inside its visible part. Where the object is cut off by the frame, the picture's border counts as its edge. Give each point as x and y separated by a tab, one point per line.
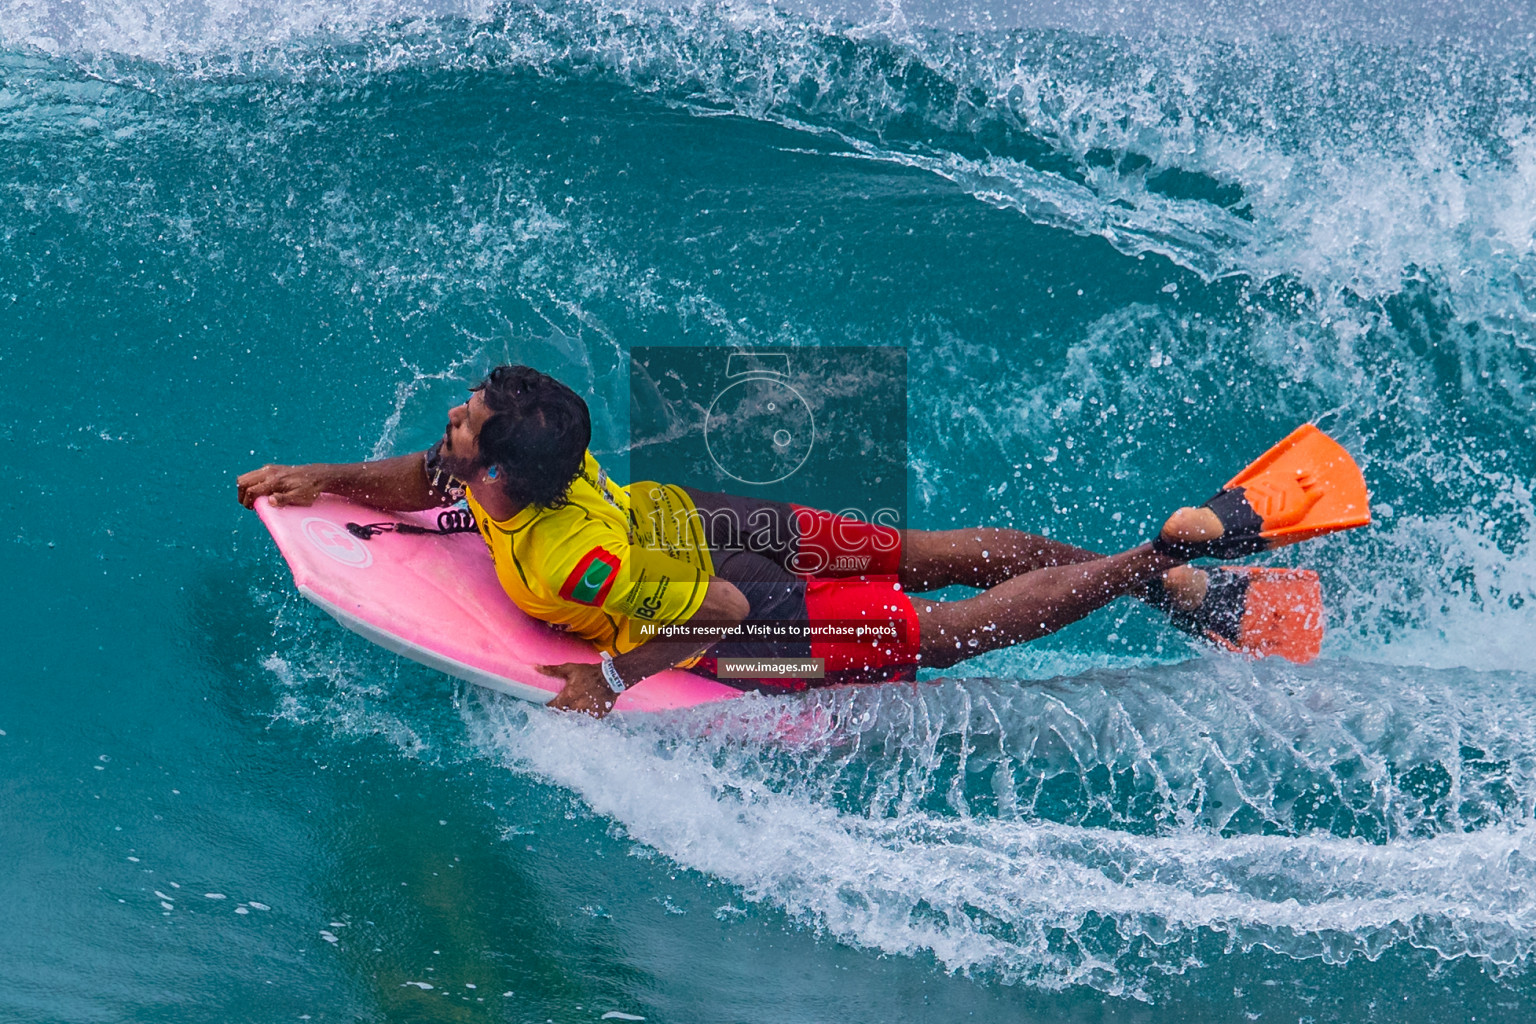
1185	587
1191	526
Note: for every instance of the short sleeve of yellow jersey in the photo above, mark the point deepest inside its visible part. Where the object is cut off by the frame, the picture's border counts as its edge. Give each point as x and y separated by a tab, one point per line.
632	585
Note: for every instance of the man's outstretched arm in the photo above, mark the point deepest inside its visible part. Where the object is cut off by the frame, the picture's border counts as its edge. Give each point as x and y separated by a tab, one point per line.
399	484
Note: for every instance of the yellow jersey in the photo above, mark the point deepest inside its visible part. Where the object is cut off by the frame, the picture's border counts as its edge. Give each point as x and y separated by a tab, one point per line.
610	556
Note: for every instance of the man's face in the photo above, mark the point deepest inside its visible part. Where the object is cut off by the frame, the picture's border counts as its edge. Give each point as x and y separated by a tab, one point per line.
461	447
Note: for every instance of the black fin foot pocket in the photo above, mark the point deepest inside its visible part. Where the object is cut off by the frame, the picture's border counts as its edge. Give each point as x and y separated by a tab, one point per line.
1240	526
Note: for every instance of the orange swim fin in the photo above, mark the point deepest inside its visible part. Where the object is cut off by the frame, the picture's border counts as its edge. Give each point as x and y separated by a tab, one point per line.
1303	487
1256	611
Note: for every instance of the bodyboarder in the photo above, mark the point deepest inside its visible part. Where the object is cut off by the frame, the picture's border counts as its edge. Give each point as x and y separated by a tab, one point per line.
658	575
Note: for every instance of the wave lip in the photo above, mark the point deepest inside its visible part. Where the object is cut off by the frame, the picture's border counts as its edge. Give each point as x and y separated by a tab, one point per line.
1342	164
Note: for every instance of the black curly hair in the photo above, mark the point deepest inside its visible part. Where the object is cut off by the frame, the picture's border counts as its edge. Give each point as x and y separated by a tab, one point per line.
537	435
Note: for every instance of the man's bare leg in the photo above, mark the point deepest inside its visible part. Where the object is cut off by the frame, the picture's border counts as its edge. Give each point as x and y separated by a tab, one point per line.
1030	606
988	557
980	557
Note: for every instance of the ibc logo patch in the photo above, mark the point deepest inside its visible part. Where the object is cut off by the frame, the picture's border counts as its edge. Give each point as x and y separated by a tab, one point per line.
592	578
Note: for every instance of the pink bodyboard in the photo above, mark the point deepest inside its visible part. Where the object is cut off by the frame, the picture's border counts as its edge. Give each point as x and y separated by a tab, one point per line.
436	600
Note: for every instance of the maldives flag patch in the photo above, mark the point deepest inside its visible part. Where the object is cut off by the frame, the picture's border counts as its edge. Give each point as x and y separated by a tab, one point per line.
592	578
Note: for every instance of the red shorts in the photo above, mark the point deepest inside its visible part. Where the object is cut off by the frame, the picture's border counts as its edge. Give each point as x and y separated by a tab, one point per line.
832	545
808	542
887	646
799	564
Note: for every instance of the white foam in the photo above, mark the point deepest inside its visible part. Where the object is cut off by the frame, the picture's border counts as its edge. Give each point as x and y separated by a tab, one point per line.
161	29
319	685
873	836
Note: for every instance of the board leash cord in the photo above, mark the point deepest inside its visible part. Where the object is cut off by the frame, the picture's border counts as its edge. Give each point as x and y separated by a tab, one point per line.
453	520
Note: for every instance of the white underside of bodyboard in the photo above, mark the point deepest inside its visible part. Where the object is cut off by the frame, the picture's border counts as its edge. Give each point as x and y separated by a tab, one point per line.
431	659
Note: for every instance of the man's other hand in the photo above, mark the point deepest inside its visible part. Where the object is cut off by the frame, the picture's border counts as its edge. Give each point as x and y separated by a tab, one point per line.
282	485
584	689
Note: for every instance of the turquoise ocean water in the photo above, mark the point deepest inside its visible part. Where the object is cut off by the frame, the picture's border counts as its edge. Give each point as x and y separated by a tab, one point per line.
1125	250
